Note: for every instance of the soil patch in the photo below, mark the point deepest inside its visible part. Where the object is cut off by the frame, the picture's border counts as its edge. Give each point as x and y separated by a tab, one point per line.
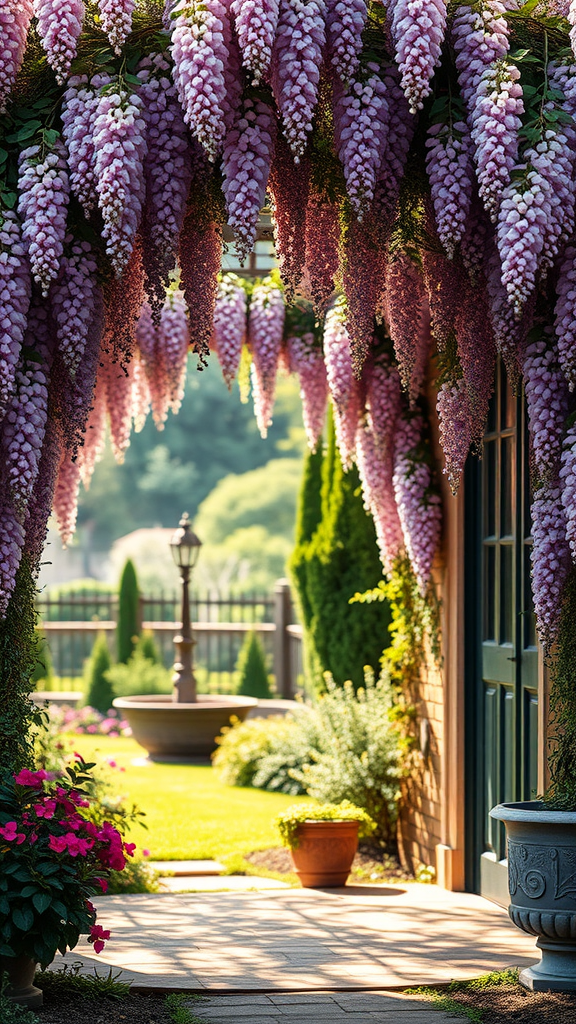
135	1009
370	864
512	1004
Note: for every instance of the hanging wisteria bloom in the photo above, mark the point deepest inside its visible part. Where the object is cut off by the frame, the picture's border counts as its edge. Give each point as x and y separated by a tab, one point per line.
405	314
14	301
24	424
565	315
265	331
480	37
246	162
547	402
201	52
322	251
173	342
256	22
477	355
72	301
66	498
120	148
11	544
401	128
289	186
168	173
298	55
200	259
141	398
15	21
43	207
307	360
79	111
95	438
361	117
418	28
556	159
451	175
116	21
375	468
341	384
345	22
383	401
59	26
151	359
495	123
363	274
230	326
455	426
550	556
418	503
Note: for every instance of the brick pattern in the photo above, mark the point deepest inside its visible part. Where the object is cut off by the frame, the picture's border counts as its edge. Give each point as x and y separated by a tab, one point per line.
304	1008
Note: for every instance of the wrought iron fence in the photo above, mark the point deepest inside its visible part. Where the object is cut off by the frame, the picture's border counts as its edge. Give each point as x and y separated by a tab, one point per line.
71	623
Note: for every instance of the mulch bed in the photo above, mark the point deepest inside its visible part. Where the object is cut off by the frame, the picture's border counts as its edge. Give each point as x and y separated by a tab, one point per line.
511	1004
135	1009
370	864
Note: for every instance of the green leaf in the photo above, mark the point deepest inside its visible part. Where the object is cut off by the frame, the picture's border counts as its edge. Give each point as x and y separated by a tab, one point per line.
41	901
60	909
23	918
132	79
4	905
50	135
27	891
28	130
47	868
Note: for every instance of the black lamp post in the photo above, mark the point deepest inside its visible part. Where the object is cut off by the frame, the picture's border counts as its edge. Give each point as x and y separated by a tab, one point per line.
185	547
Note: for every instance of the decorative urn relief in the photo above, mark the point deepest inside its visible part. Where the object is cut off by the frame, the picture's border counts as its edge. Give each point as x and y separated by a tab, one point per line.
542	884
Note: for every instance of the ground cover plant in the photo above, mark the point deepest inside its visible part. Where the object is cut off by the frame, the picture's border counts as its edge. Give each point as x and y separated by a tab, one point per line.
497	998
189	813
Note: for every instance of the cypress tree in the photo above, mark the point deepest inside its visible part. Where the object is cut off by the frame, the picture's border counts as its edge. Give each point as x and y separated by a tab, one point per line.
340	559
251	665
99	690
308	518
129	626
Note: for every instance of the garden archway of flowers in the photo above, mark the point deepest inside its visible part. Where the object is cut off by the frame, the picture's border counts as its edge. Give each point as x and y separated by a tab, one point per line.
419	159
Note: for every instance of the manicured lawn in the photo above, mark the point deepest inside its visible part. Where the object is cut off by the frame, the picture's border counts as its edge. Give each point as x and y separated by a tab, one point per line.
189	814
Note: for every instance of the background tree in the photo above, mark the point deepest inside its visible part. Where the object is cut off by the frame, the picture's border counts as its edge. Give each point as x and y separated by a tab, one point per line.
251	665
332	562
129	624
99	690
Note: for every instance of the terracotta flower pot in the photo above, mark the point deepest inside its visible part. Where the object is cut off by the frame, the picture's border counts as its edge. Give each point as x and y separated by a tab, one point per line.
325	852
21	988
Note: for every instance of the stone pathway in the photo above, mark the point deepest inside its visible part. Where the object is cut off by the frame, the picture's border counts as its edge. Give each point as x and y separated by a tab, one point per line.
301	940
327	1008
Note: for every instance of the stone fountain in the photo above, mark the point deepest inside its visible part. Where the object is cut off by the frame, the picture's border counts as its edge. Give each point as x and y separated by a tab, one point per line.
179	726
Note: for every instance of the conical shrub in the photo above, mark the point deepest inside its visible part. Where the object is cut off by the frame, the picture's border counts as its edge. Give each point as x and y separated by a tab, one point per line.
99	690
129	625
251	666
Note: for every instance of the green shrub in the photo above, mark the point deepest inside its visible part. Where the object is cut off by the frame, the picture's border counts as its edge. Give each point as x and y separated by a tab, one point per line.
99	691
140	675
358	759
148	647
12	1013
336	556
44	669
64	604
252	670
129	626
287	823
262	751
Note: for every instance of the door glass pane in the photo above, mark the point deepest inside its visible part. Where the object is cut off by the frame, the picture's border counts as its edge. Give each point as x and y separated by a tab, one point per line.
489	470
492	414
506	594
508	405
507	483
489	629
530	781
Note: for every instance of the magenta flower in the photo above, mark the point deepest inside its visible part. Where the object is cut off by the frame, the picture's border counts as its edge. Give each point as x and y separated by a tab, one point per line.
57	844
32	779
98	936
11	834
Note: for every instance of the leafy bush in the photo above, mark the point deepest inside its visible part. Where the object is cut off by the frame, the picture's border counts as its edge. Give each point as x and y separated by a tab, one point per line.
128	626
287	823
251	667
96	604
345	747
98	688
359	756
139	675
262	751
44	669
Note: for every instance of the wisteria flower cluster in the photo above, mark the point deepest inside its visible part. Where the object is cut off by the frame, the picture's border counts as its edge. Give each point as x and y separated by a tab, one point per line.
54	859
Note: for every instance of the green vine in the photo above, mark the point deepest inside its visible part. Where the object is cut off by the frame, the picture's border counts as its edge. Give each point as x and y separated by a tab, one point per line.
18	653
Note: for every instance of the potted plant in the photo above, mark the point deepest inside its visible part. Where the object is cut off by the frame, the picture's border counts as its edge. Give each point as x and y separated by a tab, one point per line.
323	840
542	836
55	855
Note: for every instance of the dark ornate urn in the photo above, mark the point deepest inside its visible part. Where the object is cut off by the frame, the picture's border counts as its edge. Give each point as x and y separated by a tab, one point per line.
542	884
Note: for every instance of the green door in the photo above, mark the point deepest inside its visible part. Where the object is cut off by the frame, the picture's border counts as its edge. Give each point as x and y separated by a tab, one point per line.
501	647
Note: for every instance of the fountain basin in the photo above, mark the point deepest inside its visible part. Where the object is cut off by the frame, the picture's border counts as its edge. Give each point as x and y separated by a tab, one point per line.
181	732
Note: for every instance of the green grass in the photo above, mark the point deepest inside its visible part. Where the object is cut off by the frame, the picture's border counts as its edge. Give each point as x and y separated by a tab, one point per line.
446	999
189	813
